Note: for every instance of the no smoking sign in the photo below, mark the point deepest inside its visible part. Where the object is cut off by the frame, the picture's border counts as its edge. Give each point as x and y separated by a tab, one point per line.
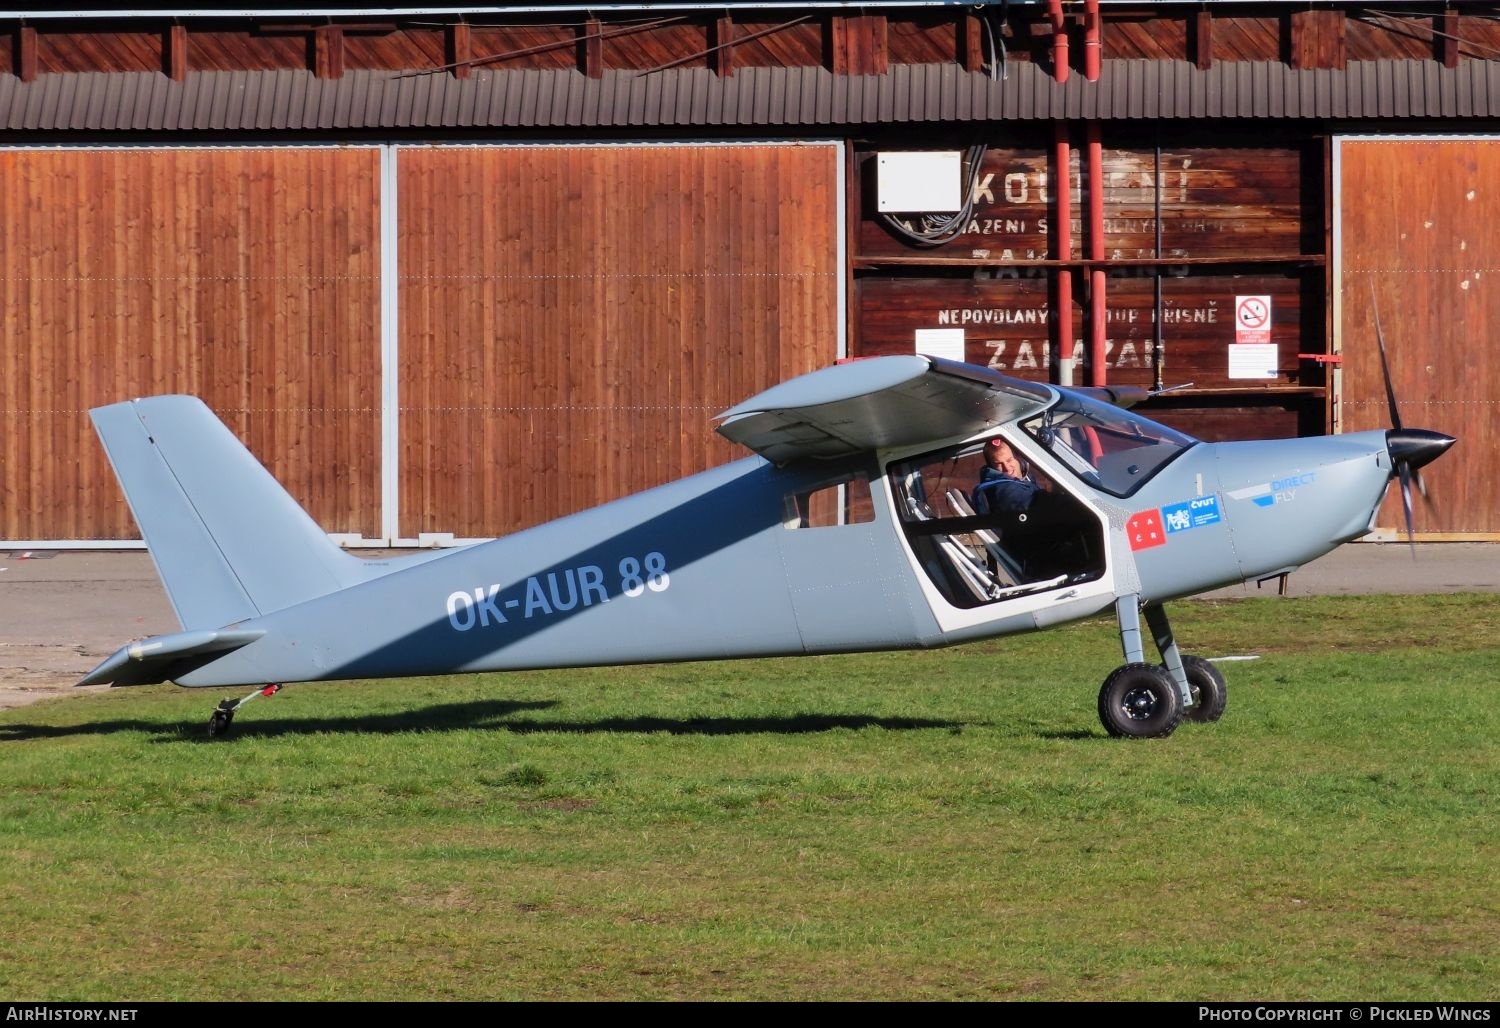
1252	319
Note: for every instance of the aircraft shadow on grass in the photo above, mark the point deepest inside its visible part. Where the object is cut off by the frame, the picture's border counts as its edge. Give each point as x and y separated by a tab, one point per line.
487	714
443	717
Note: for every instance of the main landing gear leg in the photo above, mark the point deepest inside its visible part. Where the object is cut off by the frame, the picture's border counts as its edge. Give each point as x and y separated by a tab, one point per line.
1166	645
223	716
1206	693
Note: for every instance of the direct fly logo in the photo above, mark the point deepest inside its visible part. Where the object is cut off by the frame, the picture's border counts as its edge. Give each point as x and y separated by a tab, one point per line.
1280	490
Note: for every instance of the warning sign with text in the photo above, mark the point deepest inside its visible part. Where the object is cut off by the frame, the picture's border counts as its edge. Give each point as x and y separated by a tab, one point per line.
1252	319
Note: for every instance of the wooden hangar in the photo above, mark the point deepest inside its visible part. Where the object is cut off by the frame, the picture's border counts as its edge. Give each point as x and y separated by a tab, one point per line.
455	272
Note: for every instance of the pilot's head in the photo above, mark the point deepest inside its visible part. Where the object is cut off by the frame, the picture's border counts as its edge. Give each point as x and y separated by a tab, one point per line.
998	455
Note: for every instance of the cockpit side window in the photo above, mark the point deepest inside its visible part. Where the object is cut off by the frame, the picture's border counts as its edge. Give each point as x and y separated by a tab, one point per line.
976	552
844	500
1107	447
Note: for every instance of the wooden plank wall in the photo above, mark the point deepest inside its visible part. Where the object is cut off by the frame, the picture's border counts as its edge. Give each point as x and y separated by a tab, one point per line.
851	40
1241	220
249	277
1225	202
573	317
1417	224
1007	323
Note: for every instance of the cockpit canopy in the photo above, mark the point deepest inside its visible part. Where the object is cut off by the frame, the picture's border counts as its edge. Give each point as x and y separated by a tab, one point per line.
1108	447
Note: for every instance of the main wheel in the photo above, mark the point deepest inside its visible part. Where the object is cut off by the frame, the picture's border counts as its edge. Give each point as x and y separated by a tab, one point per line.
1140	701
1210	694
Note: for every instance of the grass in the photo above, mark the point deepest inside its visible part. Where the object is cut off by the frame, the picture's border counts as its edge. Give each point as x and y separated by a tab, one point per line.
952	824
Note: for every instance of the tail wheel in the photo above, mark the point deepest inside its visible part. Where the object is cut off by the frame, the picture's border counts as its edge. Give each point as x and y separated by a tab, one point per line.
1210	694
1140	701
221	719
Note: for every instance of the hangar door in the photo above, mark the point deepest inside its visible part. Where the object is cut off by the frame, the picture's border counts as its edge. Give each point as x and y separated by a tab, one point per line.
249	277
1416	238
454	341
572	317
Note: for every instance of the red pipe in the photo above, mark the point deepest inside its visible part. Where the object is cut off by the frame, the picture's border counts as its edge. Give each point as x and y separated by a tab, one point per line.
1098	309
1059	40
1063	229
1062	186
1093	45
1098	358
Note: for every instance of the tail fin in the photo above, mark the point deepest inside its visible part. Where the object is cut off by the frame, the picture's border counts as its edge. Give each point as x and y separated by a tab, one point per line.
228	541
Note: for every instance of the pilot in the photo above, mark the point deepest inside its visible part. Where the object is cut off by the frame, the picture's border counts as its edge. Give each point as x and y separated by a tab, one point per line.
1003	484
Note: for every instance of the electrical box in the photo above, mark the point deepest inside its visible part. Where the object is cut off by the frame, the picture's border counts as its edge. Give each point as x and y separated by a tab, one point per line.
919	182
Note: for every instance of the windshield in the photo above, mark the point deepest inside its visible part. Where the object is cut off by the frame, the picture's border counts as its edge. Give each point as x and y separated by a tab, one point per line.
1106	446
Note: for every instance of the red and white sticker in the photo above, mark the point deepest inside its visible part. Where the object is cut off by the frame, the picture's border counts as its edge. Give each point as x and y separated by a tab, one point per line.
1145	530
1252	319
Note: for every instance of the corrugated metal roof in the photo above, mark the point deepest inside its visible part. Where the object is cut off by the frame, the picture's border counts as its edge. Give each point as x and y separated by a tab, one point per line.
784	98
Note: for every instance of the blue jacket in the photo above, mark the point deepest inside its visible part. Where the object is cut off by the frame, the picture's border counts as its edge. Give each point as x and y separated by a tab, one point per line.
997	491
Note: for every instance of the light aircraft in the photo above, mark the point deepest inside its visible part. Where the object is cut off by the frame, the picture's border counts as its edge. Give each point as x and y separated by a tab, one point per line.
851	528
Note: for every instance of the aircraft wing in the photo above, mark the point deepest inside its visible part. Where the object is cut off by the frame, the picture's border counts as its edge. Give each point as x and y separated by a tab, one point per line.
878	403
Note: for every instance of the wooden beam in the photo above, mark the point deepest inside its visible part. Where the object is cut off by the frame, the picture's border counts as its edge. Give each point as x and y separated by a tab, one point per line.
1297	31
970	42
1446	37
457	49
722	59
836	44
877	44
351	28
328	52
1334	49
174	55
854	203
1316	39
860	44
1203	40
591	48
25	56
1330	283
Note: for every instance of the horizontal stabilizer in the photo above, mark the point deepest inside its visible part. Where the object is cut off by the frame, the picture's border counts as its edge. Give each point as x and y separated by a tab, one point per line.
166	656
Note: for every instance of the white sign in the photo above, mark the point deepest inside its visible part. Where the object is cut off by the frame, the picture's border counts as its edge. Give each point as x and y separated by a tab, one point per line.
1252	319
947	343
919	182
1252	360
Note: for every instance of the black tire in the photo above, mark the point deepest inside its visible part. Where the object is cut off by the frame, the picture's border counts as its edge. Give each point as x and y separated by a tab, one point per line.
1210	693
219	722
1140	701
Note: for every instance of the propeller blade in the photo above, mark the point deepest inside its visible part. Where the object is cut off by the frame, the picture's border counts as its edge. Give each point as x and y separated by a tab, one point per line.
1409	449
1385	365
1404	471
